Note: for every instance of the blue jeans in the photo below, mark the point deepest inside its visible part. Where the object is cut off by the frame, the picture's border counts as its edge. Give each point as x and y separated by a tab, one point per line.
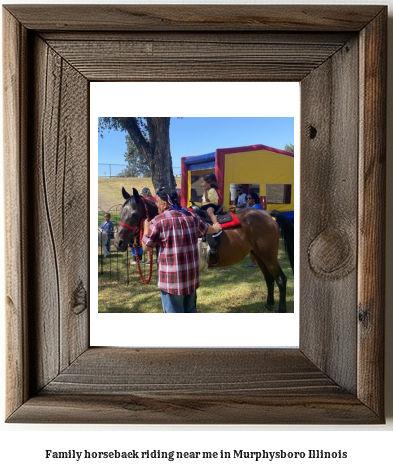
178	303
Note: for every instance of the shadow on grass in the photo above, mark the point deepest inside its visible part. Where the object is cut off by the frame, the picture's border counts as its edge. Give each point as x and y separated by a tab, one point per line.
235	289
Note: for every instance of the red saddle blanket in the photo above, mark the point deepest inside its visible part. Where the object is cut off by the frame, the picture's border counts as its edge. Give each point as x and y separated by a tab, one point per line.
233	223
226	225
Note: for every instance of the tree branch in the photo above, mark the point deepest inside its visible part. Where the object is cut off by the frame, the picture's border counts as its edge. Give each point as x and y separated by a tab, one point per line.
132	127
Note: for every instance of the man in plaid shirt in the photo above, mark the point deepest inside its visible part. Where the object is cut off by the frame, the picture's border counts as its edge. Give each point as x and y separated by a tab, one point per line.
175	232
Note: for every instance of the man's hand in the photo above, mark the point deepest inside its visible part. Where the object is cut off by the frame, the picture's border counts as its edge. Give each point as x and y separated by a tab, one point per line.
146	228
216	227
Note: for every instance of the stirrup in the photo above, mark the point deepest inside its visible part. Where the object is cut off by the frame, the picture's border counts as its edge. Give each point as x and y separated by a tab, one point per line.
210	253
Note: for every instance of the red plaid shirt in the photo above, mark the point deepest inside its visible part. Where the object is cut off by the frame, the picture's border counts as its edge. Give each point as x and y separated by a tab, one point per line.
176	235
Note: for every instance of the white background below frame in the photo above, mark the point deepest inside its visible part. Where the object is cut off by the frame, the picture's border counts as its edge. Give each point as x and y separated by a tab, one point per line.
201	329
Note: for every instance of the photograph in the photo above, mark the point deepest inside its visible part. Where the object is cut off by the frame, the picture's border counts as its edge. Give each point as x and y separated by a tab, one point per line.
242	191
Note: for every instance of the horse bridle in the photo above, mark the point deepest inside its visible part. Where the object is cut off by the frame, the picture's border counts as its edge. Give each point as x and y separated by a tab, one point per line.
122	224
135	229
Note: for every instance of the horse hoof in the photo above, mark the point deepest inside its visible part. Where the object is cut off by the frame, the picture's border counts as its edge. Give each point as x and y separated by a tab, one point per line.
269	307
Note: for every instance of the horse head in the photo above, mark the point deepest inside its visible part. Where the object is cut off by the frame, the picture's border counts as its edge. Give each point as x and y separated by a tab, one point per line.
132	212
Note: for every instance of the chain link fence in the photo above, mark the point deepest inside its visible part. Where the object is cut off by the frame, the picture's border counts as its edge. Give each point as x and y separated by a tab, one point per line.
120	266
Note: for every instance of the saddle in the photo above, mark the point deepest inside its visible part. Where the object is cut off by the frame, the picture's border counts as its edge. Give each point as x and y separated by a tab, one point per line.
222	216
226	219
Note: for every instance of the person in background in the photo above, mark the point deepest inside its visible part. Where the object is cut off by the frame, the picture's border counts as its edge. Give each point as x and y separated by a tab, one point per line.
134	255
253	203
107	226
240	201
146	193
175	233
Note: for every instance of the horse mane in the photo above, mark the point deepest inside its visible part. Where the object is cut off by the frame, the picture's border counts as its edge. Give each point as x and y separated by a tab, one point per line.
149	203
151	206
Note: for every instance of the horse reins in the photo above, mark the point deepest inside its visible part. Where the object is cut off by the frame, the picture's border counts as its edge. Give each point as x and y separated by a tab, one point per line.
138	264
140	228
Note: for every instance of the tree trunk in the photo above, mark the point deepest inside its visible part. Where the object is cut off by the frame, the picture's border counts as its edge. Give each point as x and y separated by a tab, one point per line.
157	151
160	149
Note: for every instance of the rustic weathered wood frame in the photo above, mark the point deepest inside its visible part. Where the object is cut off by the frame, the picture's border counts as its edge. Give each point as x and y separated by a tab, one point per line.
338	54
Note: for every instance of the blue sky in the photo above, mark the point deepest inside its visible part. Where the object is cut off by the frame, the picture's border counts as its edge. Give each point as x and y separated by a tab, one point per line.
198	135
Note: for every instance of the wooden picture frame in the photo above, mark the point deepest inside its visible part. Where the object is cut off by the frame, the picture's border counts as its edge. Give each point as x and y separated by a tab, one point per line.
338	54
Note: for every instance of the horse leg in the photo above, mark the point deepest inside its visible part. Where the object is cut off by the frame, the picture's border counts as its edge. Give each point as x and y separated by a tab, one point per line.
269	282
282	285
278	275
273	272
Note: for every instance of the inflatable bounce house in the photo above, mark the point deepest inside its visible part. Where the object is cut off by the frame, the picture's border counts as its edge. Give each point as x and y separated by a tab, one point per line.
269	172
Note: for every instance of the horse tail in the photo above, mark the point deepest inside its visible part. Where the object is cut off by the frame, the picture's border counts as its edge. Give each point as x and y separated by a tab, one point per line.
287	233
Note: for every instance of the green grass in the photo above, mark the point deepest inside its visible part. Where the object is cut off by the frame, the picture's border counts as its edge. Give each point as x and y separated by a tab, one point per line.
109	190
235	289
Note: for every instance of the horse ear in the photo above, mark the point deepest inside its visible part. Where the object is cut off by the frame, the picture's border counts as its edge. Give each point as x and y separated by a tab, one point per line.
125	194
136	195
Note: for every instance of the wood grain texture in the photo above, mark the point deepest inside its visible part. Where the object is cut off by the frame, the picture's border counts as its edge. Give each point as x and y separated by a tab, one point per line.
371	231
16	259
197	385
157	409
335	376
201	37
328	249
59	181
182	58
195	18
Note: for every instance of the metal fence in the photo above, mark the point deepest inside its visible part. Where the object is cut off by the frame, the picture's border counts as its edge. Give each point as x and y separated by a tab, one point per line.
120	266
112	170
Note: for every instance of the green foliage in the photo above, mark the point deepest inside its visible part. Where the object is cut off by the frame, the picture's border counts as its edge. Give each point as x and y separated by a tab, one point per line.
290	148
122	124
136	165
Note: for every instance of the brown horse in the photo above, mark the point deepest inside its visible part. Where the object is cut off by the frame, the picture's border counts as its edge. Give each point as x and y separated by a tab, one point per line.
258	233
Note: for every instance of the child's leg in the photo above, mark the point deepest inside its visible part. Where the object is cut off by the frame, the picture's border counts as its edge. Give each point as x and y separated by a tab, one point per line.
212	216
214	219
